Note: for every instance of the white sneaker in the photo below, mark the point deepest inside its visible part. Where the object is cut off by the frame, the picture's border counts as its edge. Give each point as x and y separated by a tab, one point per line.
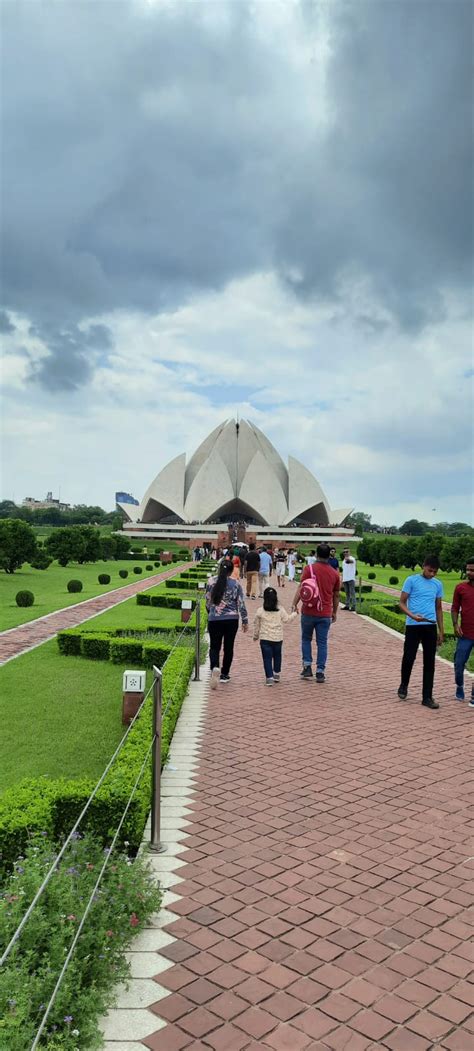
269	682
215	676
276	676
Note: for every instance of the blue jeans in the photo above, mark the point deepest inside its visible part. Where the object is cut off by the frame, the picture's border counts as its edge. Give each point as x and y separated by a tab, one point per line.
461	657
271	653
320	625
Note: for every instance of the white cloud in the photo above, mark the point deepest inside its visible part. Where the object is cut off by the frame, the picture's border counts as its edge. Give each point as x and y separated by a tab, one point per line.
370	412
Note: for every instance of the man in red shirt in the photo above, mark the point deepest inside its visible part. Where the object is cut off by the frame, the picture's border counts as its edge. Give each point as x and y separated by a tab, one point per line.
463	602
318	621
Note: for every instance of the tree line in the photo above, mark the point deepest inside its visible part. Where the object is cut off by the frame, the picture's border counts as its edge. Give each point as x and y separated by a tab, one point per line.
19	544
453	552
82	514
362	523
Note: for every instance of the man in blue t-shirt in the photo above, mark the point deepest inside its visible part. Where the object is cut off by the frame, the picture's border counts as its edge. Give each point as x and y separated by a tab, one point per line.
421	603
265	571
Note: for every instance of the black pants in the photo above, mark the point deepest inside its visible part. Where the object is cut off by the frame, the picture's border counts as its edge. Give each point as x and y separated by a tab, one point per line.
427	634
222	631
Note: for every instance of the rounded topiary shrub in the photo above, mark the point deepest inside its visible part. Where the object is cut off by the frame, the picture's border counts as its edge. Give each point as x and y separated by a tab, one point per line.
24	598
74	585
157	564
123	573
393	580
137	569
371	576
149	567
104	578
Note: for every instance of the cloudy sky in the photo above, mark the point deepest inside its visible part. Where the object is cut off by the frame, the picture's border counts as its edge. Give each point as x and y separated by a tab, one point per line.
254	207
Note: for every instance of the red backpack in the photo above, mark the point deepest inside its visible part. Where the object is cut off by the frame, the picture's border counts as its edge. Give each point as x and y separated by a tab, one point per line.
310	593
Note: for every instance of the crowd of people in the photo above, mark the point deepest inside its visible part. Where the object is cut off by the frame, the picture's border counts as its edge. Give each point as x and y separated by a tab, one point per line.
318	593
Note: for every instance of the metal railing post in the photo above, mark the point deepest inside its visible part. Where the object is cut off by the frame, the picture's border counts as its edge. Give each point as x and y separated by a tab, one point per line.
197	656
360	592
155	841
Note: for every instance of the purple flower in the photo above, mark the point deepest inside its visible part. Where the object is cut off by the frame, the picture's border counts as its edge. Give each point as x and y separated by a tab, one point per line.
19	868
68	1018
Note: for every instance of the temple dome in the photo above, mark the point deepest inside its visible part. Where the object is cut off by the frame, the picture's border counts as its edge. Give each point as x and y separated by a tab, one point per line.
236	473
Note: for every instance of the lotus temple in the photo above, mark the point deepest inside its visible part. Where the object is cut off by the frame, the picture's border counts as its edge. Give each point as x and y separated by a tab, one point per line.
236	480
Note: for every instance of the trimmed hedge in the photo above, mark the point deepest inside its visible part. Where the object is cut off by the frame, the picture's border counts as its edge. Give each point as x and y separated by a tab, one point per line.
137	569
123	573
387	617
166	601
42	805
74	585
96	646
104	578
148	568
24	598
393	580
175	582
124	651
371	576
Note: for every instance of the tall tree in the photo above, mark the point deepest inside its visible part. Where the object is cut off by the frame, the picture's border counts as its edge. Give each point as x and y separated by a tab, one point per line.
17	544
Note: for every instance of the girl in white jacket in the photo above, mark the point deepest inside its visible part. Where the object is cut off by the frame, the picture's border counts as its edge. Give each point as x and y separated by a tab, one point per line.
268	627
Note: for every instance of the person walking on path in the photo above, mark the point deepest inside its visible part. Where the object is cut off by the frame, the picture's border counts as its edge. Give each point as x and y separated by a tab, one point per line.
424	623
463	603
291	563
225	603
268	627
252	566
319	610
349	567
265	571
280	569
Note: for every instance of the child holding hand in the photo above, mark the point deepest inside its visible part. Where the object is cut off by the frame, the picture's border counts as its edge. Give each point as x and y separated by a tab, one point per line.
268	627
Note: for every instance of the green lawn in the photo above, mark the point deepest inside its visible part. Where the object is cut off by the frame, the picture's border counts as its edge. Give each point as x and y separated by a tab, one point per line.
50	591
128	614
60	716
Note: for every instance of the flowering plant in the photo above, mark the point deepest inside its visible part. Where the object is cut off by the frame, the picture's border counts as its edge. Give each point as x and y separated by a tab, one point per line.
126	898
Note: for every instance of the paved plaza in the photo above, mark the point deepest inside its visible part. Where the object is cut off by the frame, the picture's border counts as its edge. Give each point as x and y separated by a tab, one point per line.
322	888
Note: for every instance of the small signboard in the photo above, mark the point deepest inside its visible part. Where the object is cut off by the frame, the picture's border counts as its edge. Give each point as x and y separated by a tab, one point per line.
201	585
187	603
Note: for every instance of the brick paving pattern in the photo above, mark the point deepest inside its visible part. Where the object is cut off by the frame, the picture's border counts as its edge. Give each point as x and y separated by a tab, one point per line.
15	641
326	895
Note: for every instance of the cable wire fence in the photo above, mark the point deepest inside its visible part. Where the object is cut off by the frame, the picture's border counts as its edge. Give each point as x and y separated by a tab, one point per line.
153	750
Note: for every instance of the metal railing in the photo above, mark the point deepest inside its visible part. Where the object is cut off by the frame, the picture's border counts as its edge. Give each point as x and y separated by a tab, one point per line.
155	845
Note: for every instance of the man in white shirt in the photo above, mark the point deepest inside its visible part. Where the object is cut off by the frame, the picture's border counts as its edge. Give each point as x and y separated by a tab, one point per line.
311	559
291	563
349	567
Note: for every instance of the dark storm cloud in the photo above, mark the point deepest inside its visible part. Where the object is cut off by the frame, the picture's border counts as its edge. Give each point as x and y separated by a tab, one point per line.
154	151
71	358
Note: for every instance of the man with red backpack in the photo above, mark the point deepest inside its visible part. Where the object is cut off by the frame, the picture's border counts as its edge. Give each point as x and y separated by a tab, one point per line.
319	592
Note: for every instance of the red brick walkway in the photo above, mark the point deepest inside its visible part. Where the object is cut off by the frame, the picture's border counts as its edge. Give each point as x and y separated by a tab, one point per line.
329	869
15	641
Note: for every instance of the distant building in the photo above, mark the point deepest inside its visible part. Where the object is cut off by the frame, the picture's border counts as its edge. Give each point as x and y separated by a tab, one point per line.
125	498
37	505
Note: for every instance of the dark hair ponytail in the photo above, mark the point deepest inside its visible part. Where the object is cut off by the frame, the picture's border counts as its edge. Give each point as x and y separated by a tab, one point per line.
226	568
270	600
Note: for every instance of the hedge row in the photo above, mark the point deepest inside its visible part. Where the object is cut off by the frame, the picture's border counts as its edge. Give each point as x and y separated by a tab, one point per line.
387	615
184	585
166	601
113	646
39	805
